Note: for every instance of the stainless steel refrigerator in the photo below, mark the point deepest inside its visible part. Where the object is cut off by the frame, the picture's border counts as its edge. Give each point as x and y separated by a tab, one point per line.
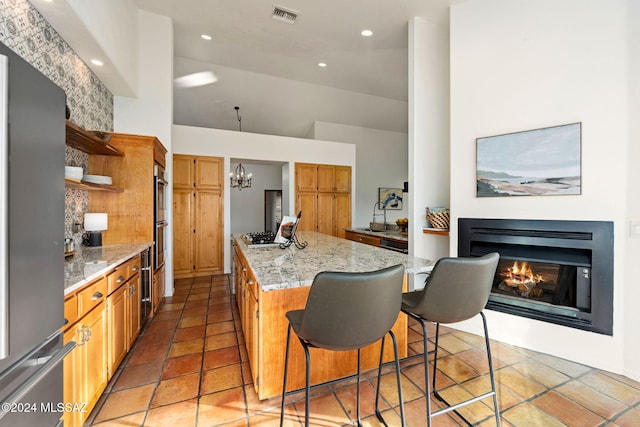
32	147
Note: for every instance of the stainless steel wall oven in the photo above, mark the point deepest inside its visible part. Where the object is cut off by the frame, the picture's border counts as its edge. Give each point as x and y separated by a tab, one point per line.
159	217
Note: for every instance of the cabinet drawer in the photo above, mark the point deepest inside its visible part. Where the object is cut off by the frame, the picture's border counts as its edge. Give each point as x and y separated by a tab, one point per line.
122	273
91	296
70	311
363	238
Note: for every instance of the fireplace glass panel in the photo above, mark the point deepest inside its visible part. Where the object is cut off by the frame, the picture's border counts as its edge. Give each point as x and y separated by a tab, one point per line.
542	282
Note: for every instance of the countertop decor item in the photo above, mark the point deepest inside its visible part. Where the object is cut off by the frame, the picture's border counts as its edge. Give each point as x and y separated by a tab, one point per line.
95	224
438	217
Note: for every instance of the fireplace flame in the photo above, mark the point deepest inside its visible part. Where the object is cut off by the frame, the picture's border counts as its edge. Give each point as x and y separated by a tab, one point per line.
520	275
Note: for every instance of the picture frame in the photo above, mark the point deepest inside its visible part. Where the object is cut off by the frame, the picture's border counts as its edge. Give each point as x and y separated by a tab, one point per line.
390	198
538	162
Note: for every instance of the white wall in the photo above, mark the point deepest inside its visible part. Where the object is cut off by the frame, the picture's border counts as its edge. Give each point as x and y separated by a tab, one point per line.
151	113
382	162
526	64
252	146
631	279
428	133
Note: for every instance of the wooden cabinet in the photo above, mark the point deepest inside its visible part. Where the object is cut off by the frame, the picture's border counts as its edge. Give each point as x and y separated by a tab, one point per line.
323	194
85	368
198	216
130	212
247	293
103	318
123	311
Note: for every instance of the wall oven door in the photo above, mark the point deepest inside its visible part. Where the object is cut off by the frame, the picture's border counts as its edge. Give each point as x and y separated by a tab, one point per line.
159	247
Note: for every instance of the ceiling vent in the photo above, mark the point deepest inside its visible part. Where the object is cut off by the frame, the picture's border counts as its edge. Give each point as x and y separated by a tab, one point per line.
284	15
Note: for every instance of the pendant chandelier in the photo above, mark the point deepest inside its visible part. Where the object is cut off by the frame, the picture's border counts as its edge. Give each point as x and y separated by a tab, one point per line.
240	179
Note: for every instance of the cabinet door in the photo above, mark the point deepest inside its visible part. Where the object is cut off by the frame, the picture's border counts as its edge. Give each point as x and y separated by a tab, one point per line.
326	213
307	203
95	356
72	371
343	213
251	333
306	177
183	172
134	309
343	179
208	173
183	231
326	178
117	314
209	231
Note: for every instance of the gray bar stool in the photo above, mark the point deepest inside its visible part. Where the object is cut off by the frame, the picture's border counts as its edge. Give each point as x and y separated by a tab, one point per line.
457	289
348	311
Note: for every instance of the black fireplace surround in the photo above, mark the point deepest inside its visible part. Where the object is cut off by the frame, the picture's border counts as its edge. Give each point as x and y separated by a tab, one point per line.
568	274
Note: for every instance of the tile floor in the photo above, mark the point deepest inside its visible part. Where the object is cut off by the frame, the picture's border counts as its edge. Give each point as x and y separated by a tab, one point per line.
189	368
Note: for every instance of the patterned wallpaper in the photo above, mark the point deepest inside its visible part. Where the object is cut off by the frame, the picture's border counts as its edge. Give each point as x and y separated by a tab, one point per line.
27	33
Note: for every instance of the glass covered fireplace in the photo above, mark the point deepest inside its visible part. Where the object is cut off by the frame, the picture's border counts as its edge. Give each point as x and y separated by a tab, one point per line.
555	271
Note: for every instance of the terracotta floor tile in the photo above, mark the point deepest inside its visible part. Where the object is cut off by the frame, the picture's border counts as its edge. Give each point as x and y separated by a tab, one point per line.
190	333
389	389
456	369
272	418
505	354
518	383
196	304
221	293
220	328
477	359
176	390
167	315
177	366
544	374
629	418
156	339
125	402
255	405
219	379
222	407
188	322
195	297
247	378
453	344
214	316
347	397
221	357
325	410
194	312
148	354
215	342
526	414
134	420
416	415
134	376
567	367
181	414
162	326
611	387
474	412
186	347
567	411
597	402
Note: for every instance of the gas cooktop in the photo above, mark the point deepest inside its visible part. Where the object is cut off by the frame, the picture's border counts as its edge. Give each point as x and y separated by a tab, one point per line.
260	238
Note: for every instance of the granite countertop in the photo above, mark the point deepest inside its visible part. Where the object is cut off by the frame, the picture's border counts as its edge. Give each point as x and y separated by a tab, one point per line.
89	263
276	268
389	234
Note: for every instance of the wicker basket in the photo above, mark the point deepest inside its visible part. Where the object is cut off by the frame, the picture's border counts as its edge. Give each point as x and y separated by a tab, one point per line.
438	217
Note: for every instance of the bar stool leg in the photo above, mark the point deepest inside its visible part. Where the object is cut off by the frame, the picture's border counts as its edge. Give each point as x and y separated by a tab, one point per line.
284	379
307	381
358	393
491	375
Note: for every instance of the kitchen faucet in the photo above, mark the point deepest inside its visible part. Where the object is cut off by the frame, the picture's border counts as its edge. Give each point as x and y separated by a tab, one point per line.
384	210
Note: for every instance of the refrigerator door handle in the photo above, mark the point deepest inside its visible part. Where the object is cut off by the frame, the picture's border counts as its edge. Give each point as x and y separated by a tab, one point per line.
33	380
4	206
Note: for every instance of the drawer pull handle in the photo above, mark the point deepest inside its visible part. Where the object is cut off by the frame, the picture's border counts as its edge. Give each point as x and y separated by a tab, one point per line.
96	296
135	268
120	279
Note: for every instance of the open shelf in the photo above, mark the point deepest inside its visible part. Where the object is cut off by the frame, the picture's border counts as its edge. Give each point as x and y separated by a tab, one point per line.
90	142
437	231
81	185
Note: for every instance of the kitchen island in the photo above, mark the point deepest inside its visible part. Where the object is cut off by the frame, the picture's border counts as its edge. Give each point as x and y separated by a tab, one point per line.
270	281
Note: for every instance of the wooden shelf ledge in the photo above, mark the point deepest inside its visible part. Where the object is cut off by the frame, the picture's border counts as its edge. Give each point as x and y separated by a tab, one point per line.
81	185
90	142
436	231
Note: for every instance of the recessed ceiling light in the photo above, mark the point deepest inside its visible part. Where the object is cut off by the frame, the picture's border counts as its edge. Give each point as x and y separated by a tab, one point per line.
367	33
322	64
206	36
97	62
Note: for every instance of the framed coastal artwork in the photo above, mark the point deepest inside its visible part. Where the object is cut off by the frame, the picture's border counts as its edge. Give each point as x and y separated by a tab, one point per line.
539	162
389	198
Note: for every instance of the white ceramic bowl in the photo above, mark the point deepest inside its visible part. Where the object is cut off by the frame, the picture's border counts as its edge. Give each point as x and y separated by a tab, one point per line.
97	179
73	172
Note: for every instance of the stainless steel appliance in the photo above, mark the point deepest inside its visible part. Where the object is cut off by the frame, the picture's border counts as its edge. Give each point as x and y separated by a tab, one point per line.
145	285
159	216
32	147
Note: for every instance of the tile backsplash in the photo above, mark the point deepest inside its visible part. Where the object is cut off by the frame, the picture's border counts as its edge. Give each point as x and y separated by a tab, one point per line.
26	32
